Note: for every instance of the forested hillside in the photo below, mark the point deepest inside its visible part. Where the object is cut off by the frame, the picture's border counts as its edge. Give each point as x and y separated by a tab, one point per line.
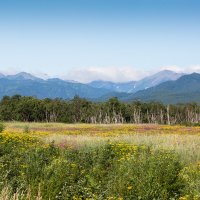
78	110
183	90
51	88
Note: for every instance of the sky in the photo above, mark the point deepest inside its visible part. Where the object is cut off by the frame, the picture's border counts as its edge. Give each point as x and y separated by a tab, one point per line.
84	40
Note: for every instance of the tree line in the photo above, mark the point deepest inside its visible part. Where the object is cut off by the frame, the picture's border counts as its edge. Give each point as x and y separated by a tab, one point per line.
79	110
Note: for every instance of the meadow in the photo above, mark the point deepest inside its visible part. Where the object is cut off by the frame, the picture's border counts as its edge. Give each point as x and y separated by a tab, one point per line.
113	162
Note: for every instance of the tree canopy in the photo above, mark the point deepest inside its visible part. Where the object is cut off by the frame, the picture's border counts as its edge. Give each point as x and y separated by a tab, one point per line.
79	110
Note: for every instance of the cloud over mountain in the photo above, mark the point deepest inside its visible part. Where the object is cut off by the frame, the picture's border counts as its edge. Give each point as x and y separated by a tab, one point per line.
115	74
121	74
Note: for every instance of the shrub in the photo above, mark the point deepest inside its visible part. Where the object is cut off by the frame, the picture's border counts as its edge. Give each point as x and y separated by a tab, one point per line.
191	176
110	171
140	173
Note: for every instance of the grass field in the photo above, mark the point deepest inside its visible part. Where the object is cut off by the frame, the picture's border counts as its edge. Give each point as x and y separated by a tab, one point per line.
184	140
82	161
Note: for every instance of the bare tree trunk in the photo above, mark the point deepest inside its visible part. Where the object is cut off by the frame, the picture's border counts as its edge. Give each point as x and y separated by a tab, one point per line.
168	116
161	116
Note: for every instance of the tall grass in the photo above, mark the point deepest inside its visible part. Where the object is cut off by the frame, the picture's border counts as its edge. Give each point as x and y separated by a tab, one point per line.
187	146
7	194
99	162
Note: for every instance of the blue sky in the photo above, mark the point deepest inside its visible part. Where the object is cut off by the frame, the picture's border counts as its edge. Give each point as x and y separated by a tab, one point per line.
115	40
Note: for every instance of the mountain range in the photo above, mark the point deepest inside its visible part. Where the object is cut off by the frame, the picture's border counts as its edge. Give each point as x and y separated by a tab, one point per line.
27	85
183	90
134	86
165	86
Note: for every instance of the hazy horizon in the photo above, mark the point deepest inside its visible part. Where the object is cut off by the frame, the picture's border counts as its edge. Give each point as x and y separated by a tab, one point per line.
149	74
85	40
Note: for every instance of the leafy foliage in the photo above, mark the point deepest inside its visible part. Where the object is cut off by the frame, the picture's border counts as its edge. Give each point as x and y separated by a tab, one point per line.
111	171
78	110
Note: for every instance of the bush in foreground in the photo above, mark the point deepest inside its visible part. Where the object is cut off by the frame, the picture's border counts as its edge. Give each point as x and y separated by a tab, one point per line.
111	171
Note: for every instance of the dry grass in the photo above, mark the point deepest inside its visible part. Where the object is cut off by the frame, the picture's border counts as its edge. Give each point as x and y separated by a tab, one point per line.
6	194
184	140
187	146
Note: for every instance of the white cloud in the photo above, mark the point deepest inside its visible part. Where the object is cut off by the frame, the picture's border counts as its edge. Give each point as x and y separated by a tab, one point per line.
122	74
172	68
9	71
116	74
193	68
186	70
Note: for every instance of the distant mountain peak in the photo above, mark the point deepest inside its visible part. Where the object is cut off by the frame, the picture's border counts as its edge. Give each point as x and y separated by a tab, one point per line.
22	76
166	73
25	75
194	74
